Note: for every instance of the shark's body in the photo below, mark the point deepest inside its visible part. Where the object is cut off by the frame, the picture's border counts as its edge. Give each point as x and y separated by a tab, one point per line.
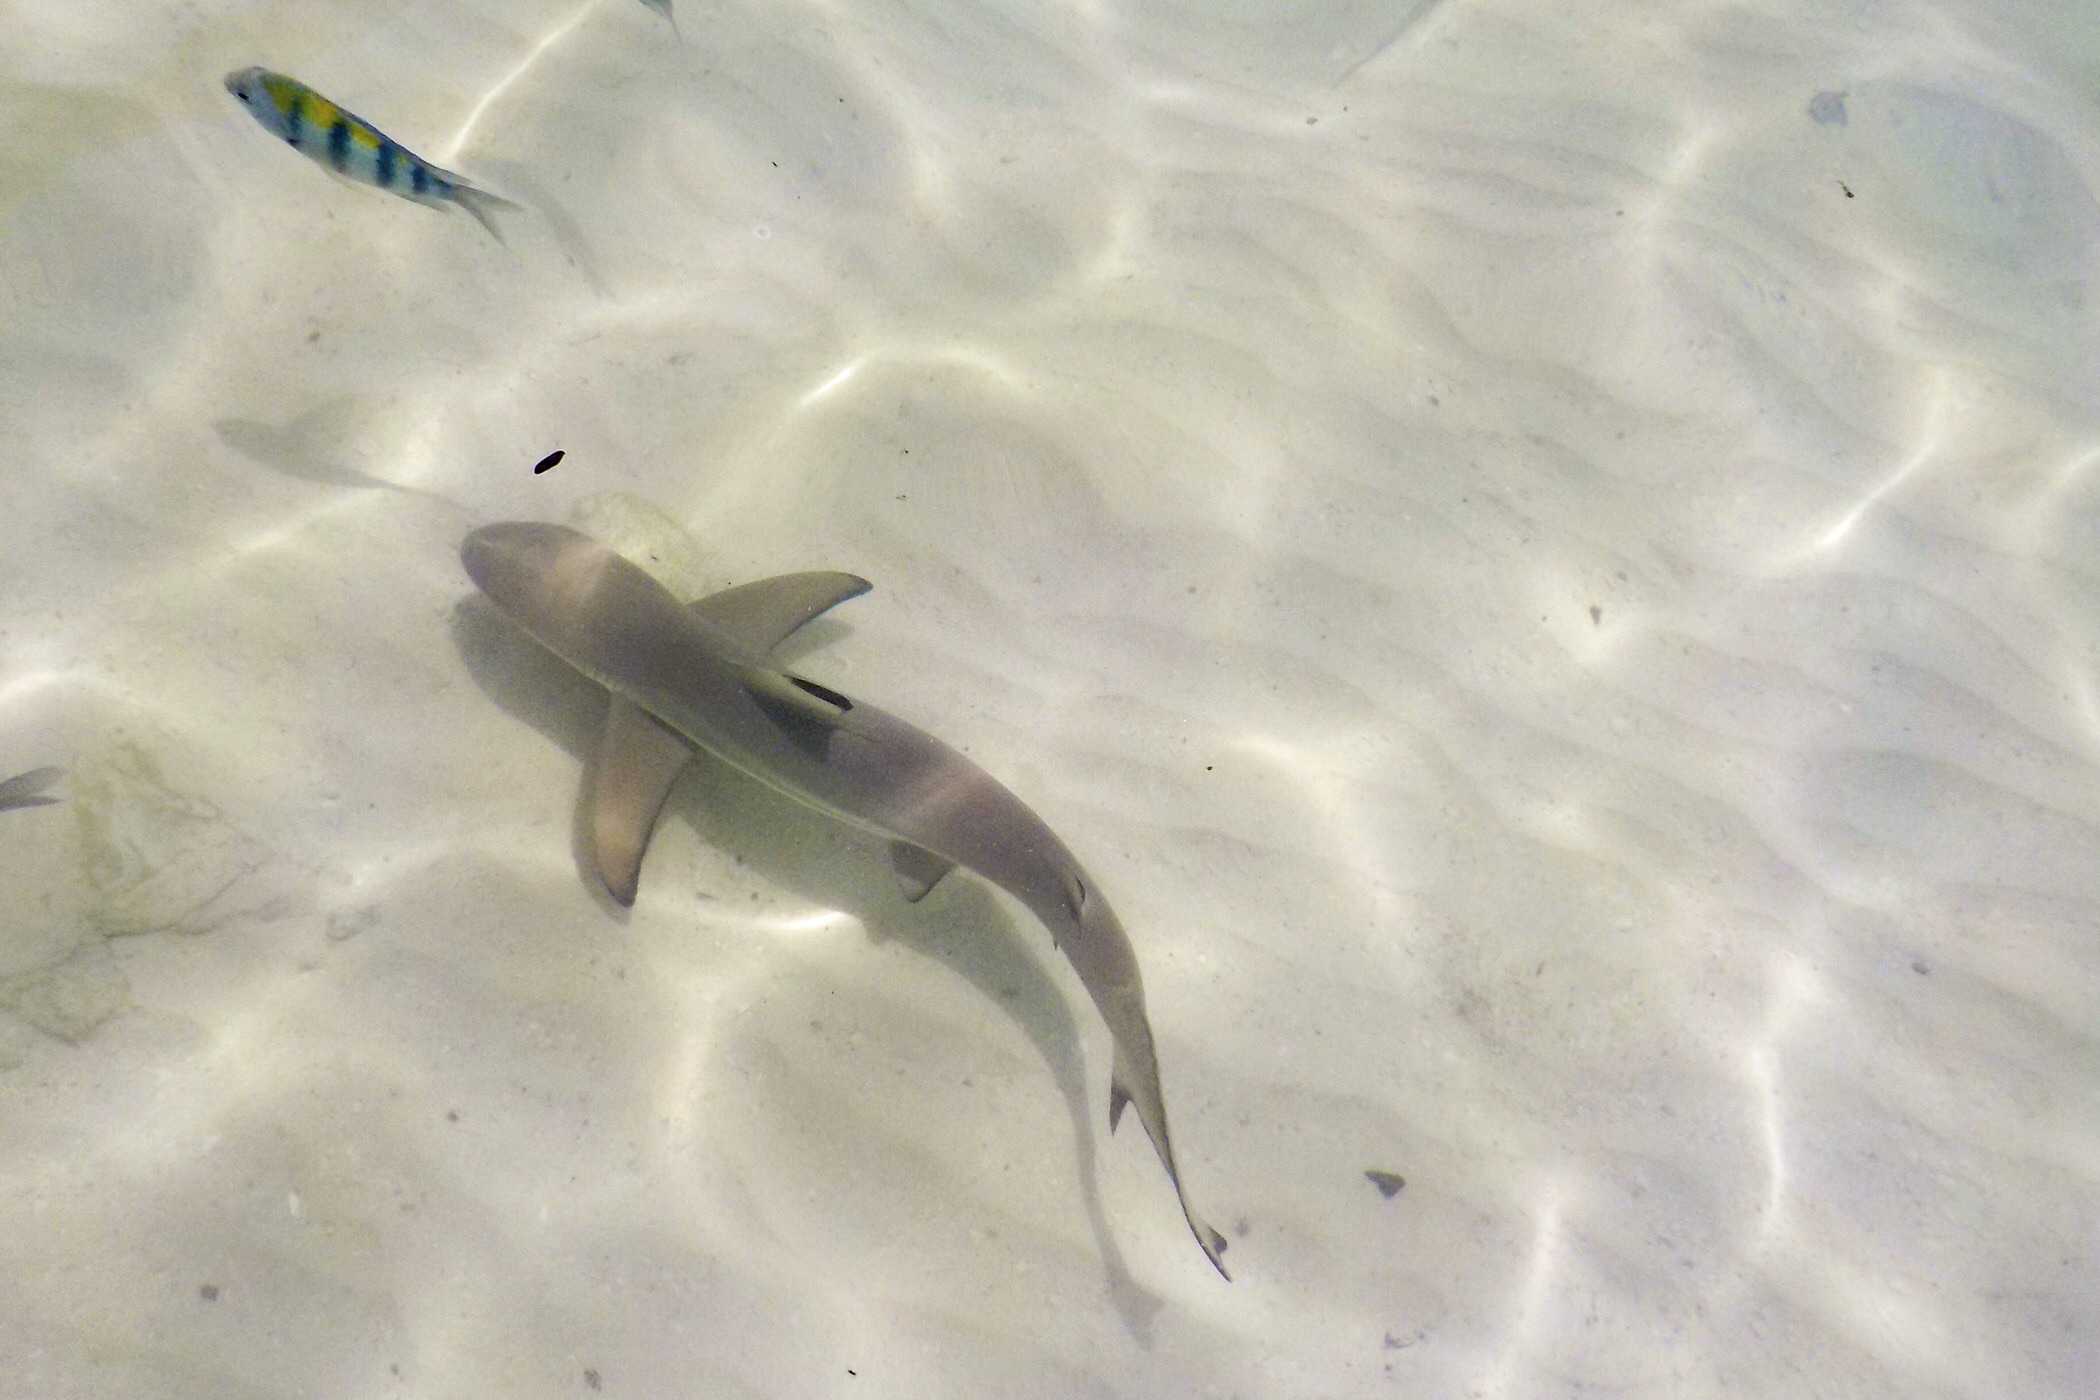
700	676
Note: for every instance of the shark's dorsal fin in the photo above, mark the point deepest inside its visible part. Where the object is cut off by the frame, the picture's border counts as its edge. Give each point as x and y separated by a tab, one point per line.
918	869
638	760
764	614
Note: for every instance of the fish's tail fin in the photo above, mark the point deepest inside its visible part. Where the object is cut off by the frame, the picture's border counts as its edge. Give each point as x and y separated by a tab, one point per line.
663	7
1153	1114
483	206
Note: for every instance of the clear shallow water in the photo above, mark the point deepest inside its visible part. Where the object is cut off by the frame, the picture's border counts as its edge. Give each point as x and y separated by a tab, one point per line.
1544	564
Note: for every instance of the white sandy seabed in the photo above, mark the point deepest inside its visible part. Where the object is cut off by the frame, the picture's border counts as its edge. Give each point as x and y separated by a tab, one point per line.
1546	564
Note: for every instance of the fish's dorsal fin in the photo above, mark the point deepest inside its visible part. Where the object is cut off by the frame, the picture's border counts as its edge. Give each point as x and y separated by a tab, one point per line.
918	869
638	760
764	614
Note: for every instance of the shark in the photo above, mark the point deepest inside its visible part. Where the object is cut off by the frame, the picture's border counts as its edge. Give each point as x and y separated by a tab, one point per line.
699	676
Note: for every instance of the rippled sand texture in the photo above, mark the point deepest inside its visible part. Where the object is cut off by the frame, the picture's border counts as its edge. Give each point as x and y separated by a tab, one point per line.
1544	563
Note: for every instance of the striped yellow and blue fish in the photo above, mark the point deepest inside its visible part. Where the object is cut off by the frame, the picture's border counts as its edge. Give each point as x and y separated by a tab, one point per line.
354	148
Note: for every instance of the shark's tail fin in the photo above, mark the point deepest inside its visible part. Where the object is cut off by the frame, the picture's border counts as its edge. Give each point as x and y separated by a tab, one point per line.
1152	1112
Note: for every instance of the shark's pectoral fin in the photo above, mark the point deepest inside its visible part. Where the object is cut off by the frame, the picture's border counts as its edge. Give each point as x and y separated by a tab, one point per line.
638	760
918	869
764	614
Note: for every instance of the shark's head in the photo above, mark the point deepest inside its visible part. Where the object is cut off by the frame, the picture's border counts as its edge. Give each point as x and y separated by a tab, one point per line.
576	597
549	579
528	569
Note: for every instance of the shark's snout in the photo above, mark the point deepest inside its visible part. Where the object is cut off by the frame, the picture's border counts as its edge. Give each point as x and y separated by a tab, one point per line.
564	588
513	562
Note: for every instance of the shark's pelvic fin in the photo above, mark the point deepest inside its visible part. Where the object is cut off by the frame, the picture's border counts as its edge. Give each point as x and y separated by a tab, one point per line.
762	615
918	869
638	760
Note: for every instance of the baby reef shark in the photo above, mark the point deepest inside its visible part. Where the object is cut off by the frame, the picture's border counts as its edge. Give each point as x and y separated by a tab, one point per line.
699	677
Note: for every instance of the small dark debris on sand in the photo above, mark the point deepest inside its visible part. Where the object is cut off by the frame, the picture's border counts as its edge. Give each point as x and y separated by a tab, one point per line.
1389	1184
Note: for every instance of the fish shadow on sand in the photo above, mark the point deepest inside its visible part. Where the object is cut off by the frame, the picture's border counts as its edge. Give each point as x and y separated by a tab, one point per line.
311	447
519	179
961	925
27	789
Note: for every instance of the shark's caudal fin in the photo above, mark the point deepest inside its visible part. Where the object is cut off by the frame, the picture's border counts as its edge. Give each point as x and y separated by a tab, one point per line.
1153	1114
762	615
638	760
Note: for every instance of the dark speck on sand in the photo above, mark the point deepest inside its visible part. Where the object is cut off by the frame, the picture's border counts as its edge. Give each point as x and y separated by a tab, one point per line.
1389	1184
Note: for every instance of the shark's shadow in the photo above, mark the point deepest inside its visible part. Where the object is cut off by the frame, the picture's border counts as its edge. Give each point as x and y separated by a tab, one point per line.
960	924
